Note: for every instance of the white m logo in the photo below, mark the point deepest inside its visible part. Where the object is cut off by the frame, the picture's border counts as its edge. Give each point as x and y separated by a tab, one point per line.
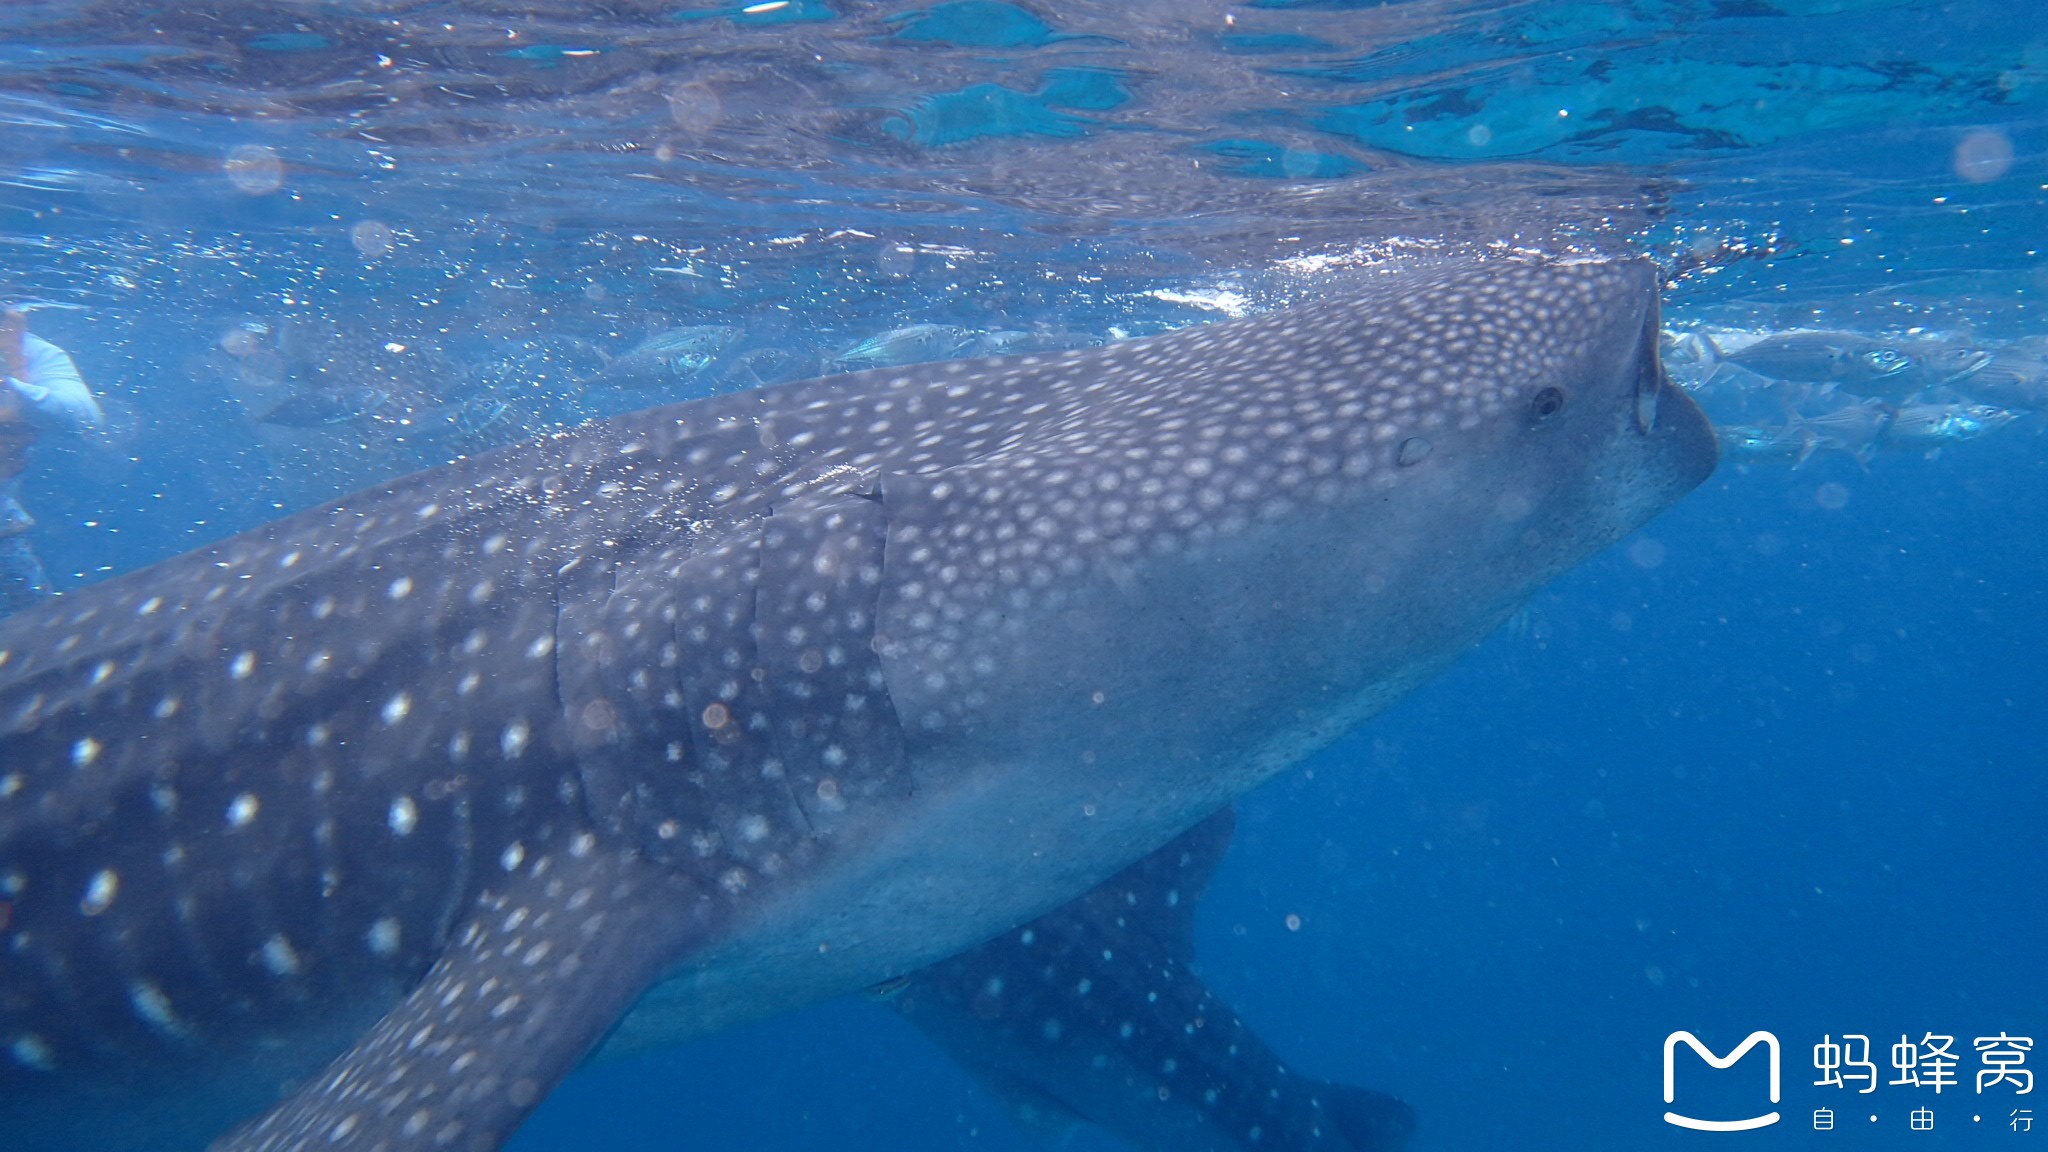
1691	1041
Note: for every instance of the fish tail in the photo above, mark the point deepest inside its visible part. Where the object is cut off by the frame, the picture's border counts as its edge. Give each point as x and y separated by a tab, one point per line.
1809	443
1707	353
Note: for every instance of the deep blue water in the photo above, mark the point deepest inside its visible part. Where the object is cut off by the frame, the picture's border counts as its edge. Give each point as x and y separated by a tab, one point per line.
1776	763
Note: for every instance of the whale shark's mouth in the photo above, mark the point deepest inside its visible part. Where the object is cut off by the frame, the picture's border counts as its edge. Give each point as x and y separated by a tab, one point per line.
1663	411
1651	380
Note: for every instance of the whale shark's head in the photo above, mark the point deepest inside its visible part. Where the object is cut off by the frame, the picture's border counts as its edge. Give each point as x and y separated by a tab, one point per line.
1272	527
1524	421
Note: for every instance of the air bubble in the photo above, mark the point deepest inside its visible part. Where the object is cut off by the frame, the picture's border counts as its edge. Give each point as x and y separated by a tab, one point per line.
254	169
239	341
372	238
1983	155
896	261
694	107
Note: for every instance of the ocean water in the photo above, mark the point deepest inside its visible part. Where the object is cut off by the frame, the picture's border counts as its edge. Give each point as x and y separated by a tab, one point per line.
1775	763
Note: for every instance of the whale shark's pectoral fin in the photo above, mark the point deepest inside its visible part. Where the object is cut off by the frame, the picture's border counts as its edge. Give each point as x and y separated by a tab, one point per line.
545	964
1093	1013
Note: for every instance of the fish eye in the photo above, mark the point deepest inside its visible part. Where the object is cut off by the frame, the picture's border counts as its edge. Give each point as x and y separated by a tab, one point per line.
1547	402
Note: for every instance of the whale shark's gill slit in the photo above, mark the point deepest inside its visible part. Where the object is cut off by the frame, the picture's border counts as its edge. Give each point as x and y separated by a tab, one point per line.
777	767
78	1021
462	842
1651	379
331	920
191	934
837	736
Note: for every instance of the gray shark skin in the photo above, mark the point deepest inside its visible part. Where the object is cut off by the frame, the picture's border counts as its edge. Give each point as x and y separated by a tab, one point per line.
1091	1014
732	705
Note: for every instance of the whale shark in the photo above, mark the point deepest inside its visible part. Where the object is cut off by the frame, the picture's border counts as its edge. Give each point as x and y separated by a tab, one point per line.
362	829
1093	1014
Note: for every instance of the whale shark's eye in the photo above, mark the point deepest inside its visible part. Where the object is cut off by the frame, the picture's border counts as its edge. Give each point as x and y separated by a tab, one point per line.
1547	402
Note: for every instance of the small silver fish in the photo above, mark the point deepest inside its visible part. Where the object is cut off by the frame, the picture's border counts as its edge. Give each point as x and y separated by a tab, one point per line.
1855	428
770	364
316	407
472	422
1932	362
2015	376
912	344
1766	442
667	357
1013	342
1934	425
1846	358
479	414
